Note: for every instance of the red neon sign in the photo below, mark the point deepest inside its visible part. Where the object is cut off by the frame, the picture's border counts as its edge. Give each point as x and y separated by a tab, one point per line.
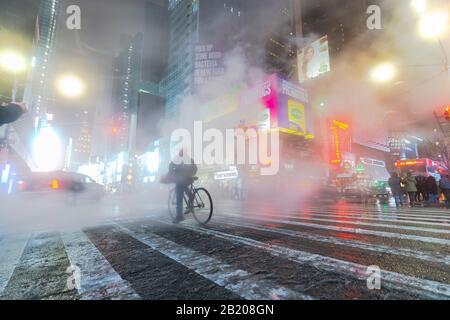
340	137
409	163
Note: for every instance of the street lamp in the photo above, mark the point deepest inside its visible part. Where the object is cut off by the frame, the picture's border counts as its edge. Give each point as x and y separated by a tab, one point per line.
420	6
70	86
383	73
13	62
434	24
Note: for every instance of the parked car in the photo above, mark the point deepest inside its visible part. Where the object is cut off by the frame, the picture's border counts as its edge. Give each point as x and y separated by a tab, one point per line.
73	185
382	192
357	193
365	193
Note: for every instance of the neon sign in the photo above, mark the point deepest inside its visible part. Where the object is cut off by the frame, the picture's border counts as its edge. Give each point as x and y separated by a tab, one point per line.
340	138
409	163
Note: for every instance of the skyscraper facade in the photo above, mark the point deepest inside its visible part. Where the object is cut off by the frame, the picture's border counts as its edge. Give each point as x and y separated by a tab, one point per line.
39	82
126	72
183	31
343	21
263	29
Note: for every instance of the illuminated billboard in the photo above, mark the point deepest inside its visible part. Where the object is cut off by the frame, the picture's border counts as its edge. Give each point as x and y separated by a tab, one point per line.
208	64
313	60
220	106
278	104
296	116
294	112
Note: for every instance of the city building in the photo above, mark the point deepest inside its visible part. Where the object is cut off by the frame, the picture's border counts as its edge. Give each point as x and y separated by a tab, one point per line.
201	35
334	28
183	32
403	147
37	90
263	29
125	68
82	149
28	27
138	93
344	21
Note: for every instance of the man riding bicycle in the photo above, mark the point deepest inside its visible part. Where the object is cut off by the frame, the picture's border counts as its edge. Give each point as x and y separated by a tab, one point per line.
182	171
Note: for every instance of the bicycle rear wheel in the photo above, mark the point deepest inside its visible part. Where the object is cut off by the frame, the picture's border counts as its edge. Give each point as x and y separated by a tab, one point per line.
202	206
172	204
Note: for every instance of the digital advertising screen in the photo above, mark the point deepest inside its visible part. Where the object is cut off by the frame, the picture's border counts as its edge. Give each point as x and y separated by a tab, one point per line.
314	60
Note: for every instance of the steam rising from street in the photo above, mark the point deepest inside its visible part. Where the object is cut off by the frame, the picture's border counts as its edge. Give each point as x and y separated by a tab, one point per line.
421	84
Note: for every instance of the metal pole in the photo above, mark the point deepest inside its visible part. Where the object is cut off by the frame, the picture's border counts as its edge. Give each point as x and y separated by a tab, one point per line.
15	88
13	99
298	22
444	52
297	8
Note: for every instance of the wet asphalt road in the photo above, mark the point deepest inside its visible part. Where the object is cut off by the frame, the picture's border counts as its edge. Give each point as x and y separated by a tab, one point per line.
248	251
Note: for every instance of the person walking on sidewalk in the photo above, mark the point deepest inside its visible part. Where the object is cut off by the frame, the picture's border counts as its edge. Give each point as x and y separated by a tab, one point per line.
421	195
396	188
411	188
432	190
444	184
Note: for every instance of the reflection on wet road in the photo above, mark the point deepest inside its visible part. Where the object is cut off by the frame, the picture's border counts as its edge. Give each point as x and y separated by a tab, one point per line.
250	250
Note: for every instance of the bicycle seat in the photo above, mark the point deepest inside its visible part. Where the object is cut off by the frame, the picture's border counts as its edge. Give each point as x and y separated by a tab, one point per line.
195	178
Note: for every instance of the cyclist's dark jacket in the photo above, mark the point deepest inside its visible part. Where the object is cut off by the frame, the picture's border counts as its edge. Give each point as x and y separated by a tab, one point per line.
9	113
183	173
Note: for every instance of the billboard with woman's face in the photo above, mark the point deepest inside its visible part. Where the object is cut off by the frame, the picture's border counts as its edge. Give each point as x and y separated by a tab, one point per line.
314	60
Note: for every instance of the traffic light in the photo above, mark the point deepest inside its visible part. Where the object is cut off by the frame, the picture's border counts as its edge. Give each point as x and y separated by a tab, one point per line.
115	130
447	113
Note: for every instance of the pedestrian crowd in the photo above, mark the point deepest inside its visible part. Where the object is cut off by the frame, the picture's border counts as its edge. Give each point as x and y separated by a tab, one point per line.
420	190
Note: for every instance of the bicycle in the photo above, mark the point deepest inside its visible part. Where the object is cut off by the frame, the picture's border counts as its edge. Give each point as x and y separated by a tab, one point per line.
200	205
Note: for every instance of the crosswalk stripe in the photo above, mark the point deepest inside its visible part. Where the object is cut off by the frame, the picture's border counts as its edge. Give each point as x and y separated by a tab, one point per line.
353	217
350	230
11	249
236	280
360	223
418	212
431	289
44	255
378	214
410	220
98	279
368	214
421	255
365	211
355	208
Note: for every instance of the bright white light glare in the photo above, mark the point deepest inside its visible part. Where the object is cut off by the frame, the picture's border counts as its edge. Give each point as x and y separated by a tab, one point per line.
5	174
434	24
420	6
47	150
153	161
383	73
12	61
70	86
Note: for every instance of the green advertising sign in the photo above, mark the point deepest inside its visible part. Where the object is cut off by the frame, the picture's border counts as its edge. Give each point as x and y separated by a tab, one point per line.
360	168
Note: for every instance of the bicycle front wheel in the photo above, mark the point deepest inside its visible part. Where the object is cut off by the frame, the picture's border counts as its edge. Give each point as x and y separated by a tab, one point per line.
202	206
